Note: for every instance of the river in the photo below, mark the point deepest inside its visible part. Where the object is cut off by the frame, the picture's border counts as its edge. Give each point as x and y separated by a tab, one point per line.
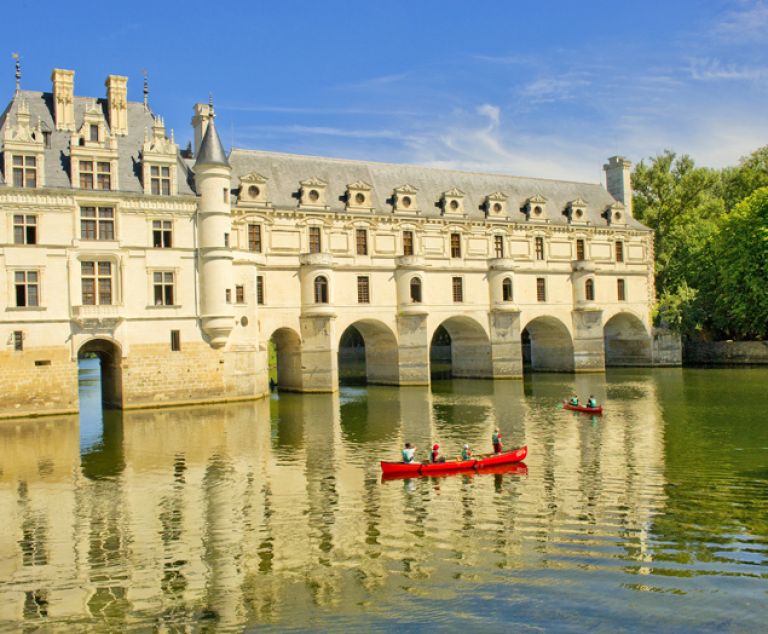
273	514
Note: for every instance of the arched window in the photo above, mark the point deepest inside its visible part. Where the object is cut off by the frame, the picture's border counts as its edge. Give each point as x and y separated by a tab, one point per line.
506	289
416	290
321	290
589	290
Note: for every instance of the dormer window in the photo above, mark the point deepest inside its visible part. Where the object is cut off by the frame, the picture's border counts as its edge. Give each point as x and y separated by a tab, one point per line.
160	180
93	133
614	214
312	193
404	199
535	208
495	205
576	210
359	196
95	175
453	201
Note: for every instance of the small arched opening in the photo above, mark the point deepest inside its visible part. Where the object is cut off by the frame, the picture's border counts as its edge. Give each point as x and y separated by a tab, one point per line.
626	341
547	346
368	353
460	348
99	365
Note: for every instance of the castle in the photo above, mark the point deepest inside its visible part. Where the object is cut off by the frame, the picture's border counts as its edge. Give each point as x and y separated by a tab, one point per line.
179	267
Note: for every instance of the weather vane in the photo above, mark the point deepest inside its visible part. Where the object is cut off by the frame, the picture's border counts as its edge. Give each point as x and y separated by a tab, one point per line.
146	88
17	57
210	104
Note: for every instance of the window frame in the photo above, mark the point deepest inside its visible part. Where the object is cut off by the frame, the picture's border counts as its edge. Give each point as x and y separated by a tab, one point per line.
589	290
498	245
538	244
315	239
21	173
321	291
160	180
255	244
457	289
100	224
162	235
416	285
175	340
363	289
260	295
619	250
455	245
98	292
408	242
29	288
361	241
23	228
581	249
507	290
239	294
541	289
167	288
621	290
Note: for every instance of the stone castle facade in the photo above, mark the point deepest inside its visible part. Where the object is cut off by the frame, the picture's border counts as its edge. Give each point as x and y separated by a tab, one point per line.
178	268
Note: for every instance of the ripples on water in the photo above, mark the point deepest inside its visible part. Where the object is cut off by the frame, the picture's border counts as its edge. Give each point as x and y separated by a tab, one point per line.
274	513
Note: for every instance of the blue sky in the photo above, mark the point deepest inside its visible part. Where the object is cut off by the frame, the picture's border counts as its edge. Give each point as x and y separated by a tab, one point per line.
546	89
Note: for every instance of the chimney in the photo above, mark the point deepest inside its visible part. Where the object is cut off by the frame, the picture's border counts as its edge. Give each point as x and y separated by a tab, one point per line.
63	98
117	103
618	181
200	123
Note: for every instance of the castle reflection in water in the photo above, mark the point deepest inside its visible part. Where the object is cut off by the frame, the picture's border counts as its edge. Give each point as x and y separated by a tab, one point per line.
260	511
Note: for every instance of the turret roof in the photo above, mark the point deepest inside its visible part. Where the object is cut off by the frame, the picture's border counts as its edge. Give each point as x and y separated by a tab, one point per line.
211	150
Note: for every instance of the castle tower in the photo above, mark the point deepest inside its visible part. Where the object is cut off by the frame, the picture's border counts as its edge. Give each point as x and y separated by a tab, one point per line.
212	174
619	181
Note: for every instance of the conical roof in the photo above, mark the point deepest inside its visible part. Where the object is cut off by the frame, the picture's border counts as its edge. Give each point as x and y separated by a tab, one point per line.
211	150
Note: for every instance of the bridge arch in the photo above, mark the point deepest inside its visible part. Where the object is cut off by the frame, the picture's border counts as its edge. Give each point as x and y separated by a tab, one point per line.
109	354
626	341
465	352
368	349
547	345
285	359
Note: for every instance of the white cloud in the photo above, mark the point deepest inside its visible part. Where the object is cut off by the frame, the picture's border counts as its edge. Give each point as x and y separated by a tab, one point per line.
745	25
715	70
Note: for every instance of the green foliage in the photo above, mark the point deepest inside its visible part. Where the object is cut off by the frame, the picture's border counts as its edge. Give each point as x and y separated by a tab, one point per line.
710	248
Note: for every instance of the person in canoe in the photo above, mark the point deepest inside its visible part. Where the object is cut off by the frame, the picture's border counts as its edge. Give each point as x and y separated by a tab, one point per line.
574	401
592	402
408	453
436	457
496	441
466	453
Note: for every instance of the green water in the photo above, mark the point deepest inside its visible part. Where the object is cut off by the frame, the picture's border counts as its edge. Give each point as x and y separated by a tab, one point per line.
273	514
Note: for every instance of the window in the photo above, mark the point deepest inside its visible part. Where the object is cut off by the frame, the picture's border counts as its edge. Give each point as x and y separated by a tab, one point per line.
228	295
619	251
580	250
363	290
541	289
18	340
416	290
321	290
239	294
102	177
162	281
458	289
97	223
254	238
24	171
94	133
27	288
225	194
539	248
455	245
498	246
314	240
160	180
589	290
24	229
260	290
175	340
162	234
408	243
506	290
96	280
361	241
621	290
226	239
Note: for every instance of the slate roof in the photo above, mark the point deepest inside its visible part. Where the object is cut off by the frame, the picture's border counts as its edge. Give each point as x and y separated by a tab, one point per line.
57	172
285	171
211	150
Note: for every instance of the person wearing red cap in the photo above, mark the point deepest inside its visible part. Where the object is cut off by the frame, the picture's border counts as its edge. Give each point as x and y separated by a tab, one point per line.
436	457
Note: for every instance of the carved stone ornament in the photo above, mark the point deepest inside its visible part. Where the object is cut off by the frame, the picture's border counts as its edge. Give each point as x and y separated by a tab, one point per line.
453	201
405	198
496	204
359	196
253	188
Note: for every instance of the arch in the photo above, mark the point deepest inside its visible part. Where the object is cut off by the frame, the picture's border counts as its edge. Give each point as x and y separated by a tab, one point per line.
372	343
547	345
110	369
626	341
321	289
466	349
285	360
506	290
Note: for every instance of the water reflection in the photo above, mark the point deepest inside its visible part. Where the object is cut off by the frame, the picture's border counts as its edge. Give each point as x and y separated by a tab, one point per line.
274	512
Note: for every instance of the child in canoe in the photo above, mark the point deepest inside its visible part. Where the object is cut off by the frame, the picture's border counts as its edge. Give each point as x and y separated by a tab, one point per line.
408	453
496	441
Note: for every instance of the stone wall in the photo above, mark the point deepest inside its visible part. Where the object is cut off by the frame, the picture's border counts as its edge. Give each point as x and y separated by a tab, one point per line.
37	382
667	348
726	352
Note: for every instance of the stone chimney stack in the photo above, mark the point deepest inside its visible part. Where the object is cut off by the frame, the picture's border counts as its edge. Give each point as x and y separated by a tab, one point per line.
64	98
200	123
117	103
618	181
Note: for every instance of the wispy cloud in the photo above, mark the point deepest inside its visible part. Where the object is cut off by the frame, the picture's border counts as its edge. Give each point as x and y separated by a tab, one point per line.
375	82
748	24
715	70
295	130
303	110
552	89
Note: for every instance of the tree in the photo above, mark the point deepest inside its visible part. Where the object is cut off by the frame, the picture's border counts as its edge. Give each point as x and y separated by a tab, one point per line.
751	174
739	284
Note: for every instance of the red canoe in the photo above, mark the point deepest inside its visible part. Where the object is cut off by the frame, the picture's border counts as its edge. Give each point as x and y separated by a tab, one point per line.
512	468
415	468
582	408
